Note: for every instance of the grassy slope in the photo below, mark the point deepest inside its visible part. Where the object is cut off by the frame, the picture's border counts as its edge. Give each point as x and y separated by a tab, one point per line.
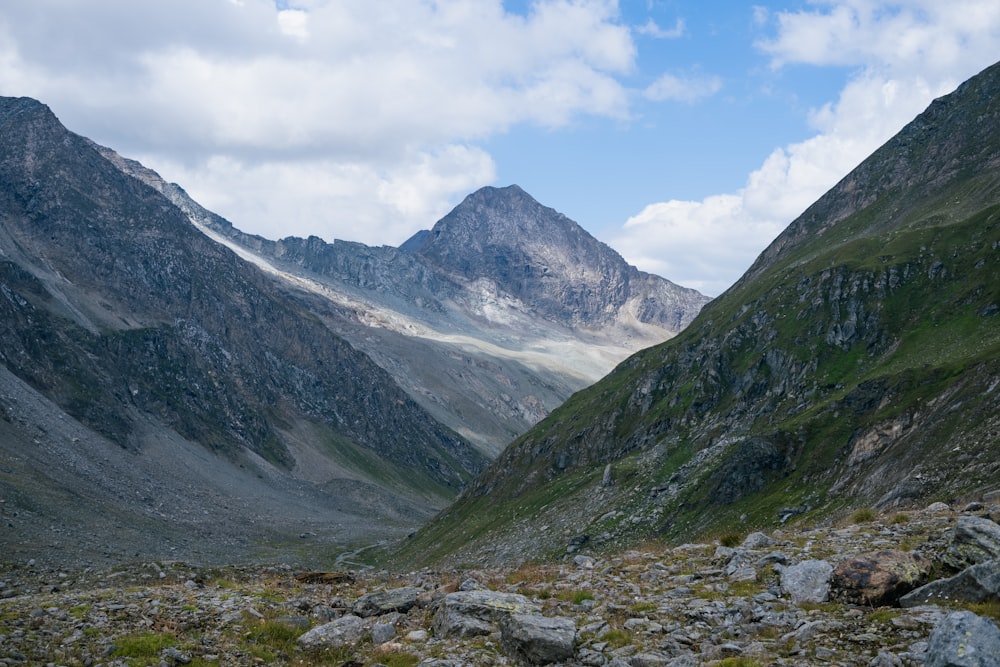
850	324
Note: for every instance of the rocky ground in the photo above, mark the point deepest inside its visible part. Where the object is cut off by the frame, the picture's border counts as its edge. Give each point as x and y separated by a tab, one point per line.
827	595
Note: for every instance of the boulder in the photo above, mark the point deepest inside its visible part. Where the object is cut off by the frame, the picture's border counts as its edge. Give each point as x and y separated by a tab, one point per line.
376	604
975	540
537	640
808	581
472	613
383	632
757	541
344	632
978	583
878	578
964	639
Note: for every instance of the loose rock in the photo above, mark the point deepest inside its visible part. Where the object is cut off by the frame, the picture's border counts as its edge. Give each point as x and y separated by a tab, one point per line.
537	640
964	639
878	578
975	540
346	631
808	581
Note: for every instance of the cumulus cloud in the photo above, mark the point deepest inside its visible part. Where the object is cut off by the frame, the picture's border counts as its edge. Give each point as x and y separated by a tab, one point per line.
334	113
905	54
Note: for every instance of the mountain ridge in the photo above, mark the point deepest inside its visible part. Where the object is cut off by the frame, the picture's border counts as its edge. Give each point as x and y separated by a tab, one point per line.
116	311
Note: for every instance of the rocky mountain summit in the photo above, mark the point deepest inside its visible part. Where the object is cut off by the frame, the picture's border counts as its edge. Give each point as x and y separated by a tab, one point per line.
850	594
857	363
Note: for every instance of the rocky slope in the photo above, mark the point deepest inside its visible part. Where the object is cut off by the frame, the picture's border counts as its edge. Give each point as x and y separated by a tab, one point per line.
803	596
490	320
856	363
152	372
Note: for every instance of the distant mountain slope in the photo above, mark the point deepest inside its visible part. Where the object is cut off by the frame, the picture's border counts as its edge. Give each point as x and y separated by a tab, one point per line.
489	321
124	316
857	363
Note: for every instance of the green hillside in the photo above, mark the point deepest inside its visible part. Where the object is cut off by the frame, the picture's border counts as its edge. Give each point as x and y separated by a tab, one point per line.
856	364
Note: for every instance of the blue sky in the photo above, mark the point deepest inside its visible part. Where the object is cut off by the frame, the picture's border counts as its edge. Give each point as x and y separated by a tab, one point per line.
685	134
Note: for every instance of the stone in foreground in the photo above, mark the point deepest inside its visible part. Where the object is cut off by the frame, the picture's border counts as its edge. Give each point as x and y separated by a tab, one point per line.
377	604
975	540
537	640
473	613
808	581
344	632
963	639
878	578
978	583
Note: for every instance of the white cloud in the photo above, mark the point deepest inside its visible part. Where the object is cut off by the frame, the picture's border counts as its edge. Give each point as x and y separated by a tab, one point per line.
255	107
682	89
320	197
907	53
651	29
294	23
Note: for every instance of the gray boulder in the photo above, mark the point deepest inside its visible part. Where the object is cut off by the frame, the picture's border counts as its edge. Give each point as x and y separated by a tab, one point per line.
975	540
808	581
376	604
383	632
345	632
473	613
537	640
757	541
963	639
978	583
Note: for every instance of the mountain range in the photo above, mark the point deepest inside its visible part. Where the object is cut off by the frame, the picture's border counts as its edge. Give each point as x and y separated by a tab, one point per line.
855	365
171	386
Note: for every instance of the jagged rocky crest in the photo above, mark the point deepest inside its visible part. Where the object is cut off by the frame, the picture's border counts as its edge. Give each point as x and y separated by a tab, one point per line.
856	363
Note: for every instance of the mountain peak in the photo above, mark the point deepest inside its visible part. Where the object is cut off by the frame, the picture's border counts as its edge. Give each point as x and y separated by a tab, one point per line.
545	260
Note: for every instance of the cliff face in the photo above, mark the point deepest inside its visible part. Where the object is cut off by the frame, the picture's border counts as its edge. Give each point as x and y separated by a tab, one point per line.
857	363
121	313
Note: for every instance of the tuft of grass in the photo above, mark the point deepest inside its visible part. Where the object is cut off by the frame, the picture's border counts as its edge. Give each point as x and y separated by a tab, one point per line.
731	539
616	638
640	608
399	659
899	519
144	646
739	661
863	515
270	639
